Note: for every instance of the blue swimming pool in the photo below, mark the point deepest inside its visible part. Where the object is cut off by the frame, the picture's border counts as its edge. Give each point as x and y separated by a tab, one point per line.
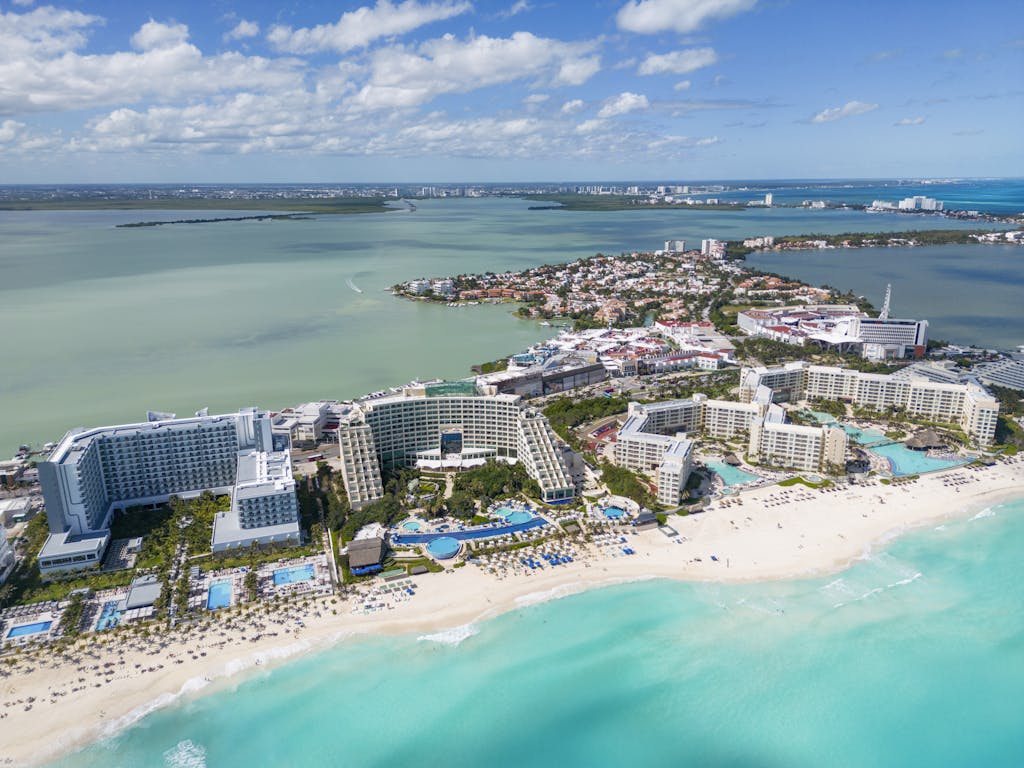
473	533
412	525
515	517
613	513
731	475
294	574
864	436
29	629
110	616
219	595
444	548
904	461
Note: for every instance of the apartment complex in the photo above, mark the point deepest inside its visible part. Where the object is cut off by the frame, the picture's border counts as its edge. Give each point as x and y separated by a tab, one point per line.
654	438
93	473
447	425
966	404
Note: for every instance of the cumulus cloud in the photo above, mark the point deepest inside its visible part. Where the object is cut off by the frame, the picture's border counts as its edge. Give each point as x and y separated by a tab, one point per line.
47	74
682	85
154	35
572	107
848	109
683	16
359	28
536	98
623	103
406	77
242	30
678	62
909	121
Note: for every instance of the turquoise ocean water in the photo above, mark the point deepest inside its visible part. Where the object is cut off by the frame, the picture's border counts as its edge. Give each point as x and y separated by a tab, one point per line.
912	657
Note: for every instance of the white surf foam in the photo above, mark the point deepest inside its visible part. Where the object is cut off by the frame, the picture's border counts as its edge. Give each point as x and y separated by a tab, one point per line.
185	754
452	636
987	512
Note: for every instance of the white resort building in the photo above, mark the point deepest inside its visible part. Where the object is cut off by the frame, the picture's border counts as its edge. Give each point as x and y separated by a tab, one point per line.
447	425
93	473
654	438
968	405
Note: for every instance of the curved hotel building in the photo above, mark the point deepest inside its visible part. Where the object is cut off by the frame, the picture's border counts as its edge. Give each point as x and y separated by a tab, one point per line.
447	425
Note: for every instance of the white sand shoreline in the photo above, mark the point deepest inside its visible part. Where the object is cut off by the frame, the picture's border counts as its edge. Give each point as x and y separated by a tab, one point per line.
804	534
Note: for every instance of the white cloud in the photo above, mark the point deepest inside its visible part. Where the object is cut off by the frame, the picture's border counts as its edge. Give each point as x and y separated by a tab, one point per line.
708	141
909	121
359	28
406	77
682	85
519	6
683	16
154	35
572	107
23	2
242	30
678	62
848	109
623	103
42	32
17	137
41	71
589	126
536	98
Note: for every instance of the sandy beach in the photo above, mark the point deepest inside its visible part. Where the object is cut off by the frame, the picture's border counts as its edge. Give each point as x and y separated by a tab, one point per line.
51	704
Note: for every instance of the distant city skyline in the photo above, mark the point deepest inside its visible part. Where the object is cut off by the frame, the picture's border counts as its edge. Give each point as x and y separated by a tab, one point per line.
508	91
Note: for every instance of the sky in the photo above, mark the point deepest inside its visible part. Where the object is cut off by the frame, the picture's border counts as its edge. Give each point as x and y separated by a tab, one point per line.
508	90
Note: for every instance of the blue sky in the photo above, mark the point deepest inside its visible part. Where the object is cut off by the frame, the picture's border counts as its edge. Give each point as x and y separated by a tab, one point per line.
461	90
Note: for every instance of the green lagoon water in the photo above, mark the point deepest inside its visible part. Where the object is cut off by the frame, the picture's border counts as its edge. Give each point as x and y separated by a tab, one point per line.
103	324
912	657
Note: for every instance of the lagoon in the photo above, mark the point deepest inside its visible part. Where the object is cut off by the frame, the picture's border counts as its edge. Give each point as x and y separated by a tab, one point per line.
108	323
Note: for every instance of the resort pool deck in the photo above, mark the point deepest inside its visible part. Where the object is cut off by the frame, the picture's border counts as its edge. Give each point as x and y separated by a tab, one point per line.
613	513
485	532
731	475
904	461
219	595
294	575
24	630
412	525
110	617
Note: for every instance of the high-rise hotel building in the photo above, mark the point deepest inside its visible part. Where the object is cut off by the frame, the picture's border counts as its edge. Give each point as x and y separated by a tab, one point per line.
447	425
93	473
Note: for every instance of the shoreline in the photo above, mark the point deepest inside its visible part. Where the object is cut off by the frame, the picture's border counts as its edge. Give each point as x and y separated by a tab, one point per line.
767	534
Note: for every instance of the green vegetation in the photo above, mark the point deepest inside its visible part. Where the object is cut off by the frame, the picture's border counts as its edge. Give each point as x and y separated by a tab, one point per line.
34	590
565	413
801	481
71	620
496	479
494	365
621	482
867	239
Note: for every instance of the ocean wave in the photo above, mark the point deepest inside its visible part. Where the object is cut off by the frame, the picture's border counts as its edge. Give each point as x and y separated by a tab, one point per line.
879	590
453	636
987	512
185	754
